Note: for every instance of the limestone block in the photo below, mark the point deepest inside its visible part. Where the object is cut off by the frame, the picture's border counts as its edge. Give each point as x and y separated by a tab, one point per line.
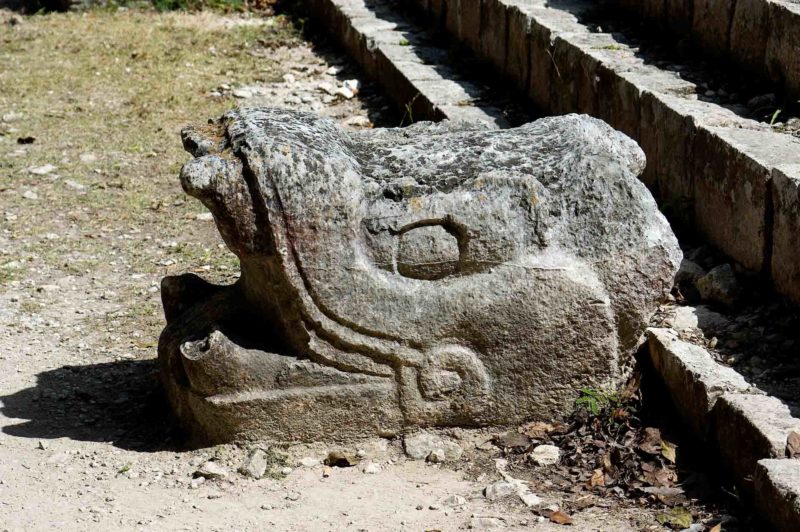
776	489
679	14
711	24
751	427
694	380
783	45
785	265
494	33
732	171
518	62
750	31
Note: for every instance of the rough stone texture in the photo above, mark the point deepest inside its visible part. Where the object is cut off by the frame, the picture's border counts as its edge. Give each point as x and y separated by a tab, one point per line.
494	32
749	428
499	490
749	32
694	380
712	22
421	445
776	488
708	167
545	455
441	274
783	44
731	189
785	265
415	74
256	464
721	286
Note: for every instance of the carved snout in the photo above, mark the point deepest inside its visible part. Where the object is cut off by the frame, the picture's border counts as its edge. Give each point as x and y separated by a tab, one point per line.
219	183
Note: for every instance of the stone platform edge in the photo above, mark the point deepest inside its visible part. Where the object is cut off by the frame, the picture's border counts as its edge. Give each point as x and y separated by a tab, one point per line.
748	428
415	76
762	36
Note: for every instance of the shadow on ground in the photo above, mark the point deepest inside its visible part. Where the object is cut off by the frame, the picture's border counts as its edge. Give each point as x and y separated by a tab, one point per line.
117	402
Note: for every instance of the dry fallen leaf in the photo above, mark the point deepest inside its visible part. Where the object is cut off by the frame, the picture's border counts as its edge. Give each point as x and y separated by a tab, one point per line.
512	440
651	443
620	414
678	517
668	450
598	478
560	518
793	445
667	495
538	429
716	528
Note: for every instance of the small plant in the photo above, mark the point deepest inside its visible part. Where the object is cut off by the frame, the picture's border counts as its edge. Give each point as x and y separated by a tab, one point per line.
597	401
409	111
774	117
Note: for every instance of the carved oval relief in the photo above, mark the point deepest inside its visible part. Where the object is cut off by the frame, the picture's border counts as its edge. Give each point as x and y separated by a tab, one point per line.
427	252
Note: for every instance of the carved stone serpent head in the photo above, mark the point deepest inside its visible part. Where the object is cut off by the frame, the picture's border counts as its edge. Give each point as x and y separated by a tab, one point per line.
440	274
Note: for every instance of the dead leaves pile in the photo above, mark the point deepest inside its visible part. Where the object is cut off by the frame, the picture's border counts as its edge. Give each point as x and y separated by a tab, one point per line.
609	453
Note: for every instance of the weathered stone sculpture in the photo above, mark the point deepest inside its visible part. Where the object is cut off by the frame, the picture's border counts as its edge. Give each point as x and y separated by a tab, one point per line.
440	274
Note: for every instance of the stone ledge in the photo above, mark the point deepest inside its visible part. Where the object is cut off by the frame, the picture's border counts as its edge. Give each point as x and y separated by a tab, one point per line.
761	35
749	430
692	377
397	57
751	427
776	486
785	267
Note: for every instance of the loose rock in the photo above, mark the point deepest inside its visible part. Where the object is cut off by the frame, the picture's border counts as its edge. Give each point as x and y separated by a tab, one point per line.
545	455
499	490
309	461
42	170
454	500
689	272
485	523
437	456
372	468
256	464
682	318
421	445
211	470
720	286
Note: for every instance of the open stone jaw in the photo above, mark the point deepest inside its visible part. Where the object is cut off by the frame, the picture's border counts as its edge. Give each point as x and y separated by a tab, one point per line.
437	275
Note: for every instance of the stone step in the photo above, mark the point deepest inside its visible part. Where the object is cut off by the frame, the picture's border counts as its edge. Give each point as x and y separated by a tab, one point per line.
762	36
748	429
402	58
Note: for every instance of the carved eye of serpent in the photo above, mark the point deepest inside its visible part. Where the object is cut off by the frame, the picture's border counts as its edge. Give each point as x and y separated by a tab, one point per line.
429	250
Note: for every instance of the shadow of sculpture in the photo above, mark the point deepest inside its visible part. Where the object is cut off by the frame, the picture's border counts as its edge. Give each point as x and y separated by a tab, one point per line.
117	402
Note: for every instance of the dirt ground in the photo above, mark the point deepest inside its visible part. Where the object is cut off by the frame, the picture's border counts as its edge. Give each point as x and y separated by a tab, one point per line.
92	217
